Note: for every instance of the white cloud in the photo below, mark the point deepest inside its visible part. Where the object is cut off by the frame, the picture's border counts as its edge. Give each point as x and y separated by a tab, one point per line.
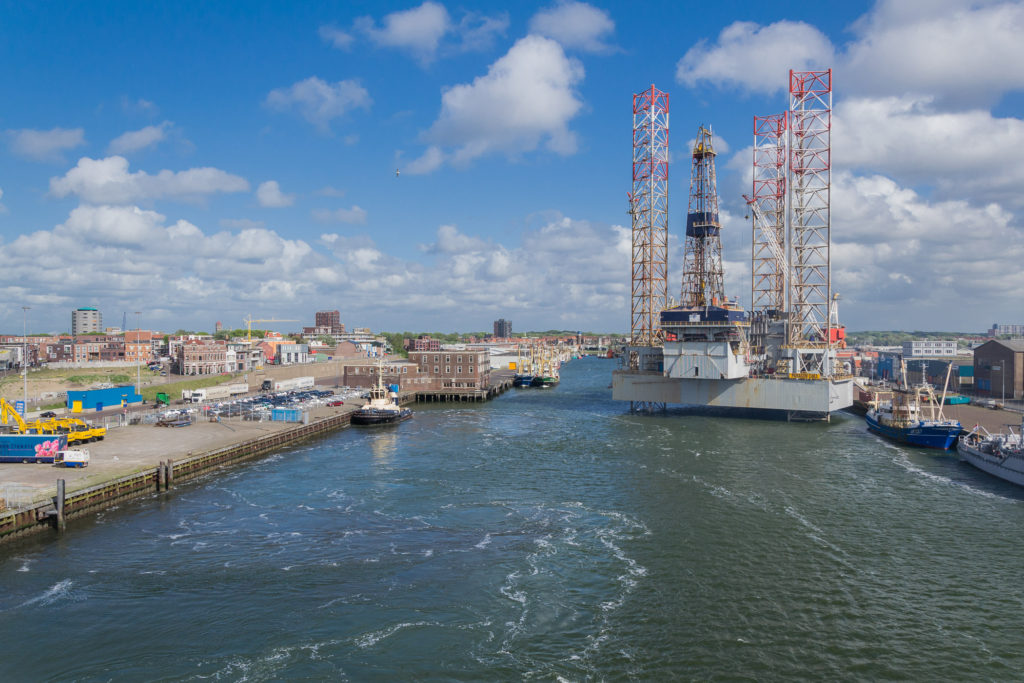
418	30
557	274
108	181
959	51
353	215
320	102
527	97
477	32
336	37
269	194
3	209
144	259
575	25
45	145
134	140
895	257
330	191
451	241
138	106
426	32
961	154
755	57
429	161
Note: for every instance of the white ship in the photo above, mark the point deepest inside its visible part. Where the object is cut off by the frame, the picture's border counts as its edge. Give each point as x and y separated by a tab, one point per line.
1001	455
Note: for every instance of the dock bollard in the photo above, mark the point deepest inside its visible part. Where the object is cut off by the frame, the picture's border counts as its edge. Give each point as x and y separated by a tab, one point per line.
59	504
161	477
170	473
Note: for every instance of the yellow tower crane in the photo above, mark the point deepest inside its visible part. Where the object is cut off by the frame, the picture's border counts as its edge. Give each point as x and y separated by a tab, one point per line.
250	320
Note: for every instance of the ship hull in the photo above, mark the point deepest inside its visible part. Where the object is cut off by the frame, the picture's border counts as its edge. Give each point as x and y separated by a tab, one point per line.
819	397
923	435
1009	467
380	418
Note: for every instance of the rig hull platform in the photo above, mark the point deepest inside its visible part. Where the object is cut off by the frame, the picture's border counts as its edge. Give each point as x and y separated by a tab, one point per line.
800	399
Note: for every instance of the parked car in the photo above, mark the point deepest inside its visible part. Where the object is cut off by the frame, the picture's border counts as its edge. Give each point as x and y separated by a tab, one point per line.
336	403
48	413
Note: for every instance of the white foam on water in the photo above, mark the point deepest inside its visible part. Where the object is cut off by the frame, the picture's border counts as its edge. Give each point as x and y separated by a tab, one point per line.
58	591
26	564
484	543
903	461
371	639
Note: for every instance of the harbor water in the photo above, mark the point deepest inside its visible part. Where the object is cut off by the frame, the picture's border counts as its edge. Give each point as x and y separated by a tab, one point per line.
547	534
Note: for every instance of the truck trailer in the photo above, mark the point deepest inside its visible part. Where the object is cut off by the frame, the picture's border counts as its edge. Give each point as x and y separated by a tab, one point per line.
294	383
214	393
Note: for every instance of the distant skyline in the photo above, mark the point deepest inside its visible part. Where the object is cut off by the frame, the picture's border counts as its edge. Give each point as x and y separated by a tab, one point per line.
437	166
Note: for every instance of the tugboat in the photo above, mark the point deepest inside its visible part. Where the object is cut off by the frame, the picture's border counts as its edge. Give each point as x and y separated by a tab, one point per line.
901	419
382	408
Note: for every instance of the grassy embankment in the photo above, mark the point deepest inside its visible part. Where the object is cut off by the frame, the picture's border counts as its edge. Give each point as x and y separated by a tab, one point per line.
76	379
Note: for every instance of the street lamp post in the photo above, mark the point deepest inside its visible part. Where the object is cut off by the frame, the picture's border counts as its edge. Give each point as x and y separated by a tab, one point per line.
24	355
1002	378
138	365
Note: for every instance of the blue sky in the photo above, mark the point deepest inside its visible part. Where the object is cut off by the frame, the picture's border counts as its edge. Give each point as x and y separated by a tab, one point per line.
205	162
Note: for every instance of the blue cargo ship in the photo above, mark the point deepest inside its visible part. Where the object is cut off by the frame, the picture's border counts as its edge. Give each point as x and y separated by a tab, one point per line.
940	434
901	420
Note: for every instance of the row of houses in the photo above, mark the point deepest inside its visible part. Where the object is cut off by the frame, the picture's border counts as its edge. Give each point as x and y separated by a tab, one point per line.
186	354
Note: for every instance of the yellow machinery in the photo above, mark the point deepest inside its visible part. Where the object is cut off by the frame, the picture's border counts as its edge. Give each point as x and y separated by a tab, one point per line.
78	431
8	411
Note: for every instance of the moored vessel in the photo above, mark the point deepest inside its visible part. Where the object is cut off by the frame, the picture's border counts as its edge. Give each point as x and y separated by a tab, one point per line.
902	420
1001	455
382	408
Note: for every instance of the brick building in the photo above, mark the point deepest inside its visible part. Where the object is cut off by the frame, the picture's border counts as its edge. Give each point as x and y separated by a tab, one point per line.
331	321
458	369
138	346
999	369
202	357
422	343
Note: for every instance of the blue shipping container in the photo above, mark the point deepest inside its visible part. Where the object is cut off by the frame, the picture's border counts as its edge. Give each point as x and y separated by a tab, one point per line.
286	415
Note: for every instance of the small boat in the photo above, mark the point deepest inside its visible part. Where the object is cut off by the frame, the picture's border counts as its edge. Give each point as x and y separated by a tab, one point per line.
902	420
522	380
544	381
382	408
1001	455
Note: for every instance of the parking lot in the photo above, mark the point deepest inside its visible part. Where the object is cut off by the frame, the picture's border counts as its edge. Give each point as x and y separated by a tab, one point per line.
255	408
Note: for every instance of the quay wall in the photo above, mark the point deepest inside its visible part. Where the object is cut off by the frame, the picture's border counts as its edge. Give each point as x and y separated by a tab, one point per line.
53	514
